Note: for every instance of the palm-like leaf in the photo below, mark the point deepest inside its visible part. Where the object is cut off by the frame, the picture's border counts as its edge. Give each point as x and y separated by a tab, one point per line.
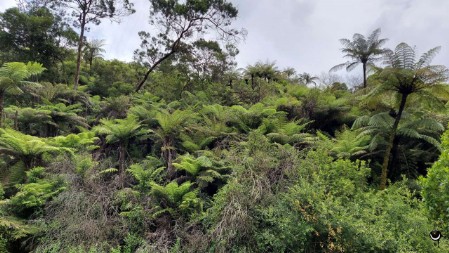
93	49
278	129
82	141
379	126
26	150
17	144
405	75
266	70
202	169
120	130
349	143
50	93
306	78
13	74
145	174
29	118
175	199
62	114
173	123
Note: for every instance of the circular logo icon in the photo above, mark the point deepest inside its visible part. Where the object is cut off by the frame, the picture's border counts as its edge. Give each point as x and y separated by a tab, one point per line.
435	235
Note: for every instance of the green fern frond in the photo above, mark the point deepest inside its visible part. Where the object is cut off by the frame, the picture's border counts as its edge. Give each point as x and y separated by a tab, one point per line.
108	171
121	130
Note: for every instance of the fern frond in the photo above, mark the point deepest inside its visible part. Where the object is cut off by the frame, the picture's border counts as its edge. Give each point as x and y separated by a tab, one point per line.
108	171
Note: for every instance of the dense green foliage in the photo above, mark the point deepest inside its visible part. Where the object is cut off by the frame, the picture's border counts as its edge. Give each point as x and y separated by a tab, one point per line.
206	158
434	187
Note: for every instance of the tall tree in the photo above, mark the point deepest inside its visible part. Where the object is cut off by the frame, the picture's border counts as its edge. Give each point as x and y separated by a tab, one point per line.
362	50
181	23
85	12
34	35
207	59
405	77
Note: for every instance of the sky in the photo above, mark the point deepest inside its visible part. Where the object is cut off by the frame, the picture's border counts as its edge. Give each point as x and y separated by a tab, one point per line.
303	34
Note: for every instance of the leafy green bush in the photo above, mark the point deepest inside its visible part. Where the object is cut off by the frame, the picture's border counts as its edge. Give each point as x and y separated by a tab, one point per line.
435	187
346	215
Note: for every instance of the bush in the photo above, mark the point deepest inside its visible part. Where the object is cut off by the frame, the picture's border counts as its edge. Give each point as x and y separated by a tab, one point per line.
435	188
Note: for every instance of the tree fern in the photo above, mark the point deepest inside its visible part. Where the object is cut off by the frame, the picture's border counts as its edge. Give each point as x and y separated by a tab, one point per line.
27	148
414	128
362	50
405	77
349	144
121	131
18	71
172	123
170	126
175	199
84	141
12	75
203	170
145	175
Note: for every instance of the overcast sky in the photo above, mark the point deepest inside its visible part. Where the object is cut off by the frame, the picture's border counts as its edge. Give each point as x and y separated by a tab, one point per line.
304	34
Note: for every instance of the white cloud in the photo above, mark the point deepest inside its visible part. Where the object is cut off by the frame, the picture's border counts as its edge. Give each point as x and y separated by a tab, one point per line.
5	4
310	42
304	34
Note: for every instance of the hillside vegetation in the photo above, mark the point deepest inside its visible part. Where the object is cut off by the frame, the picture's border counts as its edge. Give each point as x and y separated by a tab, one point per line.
180	151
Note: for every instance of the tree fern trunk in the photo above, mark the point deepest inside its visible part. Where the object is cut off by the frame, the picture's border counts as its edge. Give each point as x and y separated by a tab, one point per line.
2	95
16	121
169	155
122	159
364	74
383	175
252	81
394	155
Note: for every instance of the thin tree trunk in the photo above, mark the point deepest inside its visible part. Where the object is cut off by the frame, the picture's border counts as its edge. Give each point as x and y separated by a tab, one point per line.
29	161
147	74
252	81
169	155
80	47
122	159
394	155
2	96
16	119
364	74
384	173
